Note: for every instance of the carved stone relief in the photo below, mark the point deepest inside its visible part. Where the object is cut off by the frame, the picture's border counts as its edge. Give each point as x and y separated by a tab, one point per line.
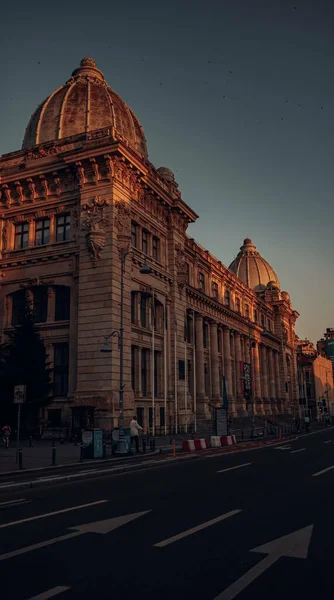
94	223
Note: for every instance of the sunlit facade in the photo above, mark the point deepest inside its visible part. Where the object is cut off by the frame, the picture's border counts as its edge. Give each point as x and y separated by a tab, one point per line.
80	189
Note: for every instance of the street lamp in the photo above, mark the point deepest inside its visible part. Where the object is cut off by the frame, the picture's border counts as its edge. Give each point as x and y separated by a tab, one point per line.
121	445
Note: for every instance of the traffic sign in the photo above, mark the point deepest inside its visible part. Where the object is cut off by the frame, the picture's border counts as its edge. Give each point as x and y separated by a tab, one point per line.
19	394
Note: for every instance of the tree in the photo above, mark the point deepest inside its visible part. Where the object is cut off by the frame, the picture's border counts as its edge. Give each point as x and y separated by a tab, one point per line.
23	361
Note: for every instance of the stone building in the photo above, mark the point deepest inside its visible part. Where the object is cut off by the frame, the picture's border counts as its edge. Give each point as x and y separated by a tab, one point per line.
325	345
81	191
315	378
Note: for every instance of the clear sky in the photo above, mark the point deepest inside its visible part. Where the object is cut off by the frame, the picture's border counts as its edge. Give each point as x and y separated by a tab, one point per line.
235	96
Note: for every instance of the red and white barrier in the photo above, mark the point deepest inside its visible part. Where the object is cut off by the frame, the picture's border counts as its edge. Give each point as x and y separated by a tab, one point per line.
228	440
191	445
215	441
188	446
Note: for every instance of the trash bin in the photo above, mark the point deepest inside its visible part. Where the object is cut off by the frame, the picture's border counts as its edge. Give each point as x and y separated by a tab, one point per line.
92	443
115	436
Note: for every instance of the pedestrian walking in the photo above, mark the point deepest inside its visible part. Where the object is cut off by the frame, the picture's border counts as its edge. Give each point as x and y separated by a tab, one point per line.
6	431
327	420
307	423
134	432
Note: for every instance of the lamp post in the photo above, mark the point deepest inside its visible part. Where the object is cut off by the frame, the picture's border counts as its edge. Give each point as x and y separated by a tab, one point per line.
121	445
146	270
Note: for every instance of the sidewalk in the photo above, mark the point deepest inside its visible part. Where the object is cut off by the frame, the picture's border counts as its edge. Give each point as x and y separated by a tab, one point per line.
38	456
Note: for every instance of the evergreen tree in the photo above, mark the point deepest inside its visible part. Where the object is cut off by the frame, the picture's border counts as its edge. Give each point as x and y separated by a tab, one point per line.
23	361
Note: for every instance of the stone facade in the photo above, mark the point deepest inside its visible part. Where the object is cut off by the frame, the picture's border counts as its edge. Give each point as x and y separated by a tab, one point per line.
315	377
67	208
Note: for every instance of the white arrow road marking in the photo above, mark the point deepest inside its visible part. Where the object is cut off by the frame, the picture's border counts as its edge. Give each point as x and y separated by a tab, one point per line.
294	545
184	534
102	527
232	468
283	448
300	450
323	471
51	593
51	514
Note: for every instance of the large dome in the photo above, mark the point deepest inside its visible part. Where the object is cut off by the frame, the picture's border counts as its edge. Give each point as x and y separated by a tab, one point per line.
84	103
252	269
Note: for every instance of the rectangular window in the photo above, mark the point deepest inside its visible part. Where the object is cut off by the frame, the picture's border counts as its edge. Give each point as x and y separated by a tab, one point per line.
143	311
227	298
269	325
63	299
63	228
18	306
61	364
133	368
133	307
40	304
144	241
182	370
247	311
162	416
140	416
21	236
205	335
219	339
156	373
202	282
262	321
255	316
150	417
134	229
237	305
215	290
42	232
155	247
144	370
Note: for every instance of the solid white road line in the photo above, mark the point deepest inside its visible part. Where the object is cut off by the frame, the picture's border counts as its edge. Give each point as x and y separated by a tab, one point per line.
11	502
51	593
51	514
232	468
184	534
327	442
300	450
323	471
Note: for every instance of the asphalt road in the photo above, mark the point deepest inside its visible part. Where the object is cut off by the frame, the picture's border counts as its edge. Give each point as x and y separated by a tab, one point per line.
159	549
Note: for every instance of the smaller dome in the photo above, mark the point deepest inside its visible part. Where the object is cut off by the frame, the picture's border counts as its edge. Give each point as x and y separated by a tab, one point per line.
253	269
167	175
286	296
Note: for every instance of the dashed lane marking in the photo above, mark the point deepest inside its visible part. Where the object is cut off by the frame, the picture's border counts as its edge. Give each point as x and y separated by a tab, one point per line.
232	468
13	502
51	514
184	534
299	450
51	593
323	471
327	441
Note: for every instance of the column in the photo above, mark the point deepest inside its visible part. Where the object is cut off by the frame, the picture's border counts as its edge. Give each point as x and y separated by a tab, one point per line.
200	377
278	383
238	360
272	391
257	379
264	377
214	361
228	368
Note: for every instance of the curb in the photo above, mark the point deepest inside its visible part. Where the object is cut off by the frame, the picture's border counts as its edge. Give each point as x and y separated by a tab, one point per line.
71	465
150	464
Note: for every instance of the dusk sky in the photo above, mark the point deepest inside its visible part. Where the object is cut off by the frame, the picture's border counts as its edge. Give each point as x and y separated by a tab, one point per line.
235	96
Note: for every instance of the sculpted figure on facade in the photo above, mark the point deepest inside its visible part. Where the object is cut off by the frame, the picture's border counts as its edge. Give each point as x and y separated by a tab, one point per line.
94	223
57	186
31	190
44	185
6	194
80	173
19	192
95	170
